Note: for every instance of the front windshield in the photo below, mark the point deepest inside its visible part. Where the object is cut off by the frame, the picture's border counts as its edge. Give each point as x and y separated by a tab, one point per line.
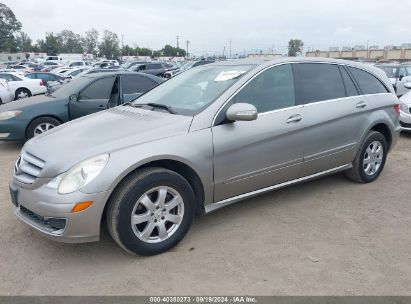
73	87
192	91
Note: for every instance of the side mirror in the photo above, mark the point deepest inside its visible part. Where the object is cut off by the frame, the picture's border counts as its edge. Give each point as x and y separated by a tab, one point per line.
242	112
73	98
407	85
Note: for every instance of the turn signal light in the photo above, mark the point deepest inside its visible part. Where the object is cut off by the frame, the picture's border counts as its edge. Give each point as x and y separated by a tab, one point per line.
81	206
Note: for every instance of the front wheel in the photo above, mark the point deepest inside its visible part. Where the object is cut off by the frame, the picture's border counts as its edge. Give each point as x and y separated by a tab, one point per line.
151	211
370	159
41	125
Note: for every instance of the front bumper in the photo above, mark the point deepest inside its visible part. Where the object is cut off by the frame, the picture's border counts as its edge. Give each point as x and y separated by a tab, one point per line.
13	129
50	213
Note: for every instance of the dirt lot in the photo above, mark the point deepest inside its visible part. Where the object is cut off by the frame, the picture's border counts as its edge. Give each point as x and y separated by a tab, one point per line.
326	237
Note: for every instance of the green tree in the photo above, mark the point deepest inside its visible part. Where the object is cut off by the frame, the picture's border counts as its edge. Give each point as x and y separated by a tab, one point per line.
143	51
8	26
24	42
295	47
50	45
90	41
109	45
171	51
70	42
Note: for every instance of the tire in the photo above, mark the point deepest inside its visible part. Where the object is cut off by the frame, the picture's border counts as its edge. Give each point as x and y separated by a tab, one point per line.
361	172
41	125
22	93
126	203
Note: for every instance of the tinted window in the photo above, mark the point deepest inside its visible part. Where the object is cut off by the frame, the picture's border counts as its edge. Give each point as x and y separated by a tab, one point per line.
272	89
44	77
350	88
8	77
137	84
100	89
367	82
153	66
317	82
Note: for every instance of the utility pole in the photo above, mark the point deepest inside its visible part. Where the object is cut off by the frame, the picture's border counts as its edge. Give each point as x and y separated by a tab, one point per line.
178	46
122	46
187	43
230	48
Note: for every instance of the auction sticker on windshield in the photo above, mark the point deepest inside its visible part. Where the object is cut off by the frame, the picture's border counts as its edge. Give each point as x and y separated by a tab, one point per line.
228	75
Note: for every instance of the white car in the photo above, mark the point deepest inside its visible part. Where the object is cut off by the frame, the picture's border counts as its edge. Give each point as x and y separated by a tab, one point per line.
5	94
23	87
77	64
74	72
405	109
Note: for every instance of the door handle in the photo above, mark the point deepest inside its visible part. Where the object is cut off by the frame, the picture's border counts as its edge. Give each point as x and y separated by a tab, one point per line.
294	118
361	105
102	107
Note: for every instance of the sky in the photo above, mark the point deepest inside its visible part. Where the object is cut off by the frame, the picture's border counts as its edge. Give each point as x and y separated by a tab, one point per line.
210	25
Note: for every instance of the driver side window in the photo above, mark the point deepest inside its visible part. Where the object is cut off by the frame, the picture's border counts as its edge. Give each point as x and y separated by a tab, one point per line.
100	89
271	90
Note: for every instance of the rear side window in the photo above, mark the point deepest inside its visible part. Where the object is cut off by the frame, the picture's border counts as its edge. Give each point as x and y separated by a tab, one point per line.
137	84
100	89
317	82
368	83
154	66
350	87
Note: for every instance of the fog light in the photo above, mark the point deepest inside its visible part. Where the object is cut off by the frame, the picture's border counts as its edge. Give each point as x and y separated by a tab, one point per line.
4	135
81	206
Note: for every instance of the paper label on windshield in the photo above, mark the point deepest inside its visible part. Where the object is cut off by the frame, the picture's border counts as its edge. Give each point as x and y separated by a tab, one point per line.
228	75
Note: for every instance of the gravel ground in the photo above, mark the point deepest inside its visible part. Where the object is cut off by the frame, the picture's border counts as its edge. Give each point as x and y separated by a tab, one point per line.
325	237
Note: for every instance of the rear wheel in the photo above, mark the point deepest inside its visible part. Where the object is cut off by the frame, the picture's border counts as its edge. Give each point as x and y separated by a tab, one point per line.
151	211
370	159
22	93
41	125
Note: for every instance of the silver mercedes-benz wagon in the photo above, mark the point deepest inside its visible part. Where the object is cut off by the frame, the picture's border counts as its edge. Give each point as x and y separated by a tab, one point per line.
205	139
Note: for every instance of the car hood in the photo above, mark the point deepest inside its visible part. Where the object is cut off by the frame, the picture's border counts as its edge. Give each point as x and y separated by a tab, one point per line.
100	133
20	104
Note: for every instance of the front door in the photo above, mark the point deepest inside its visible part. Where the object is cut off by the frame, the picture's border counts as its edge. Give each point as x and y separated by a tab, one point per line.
93	98
252	155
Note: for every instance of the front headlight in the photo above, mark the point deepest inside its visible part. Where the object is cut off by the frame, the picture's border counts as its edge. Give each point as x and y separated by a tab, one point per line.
9	114
80	175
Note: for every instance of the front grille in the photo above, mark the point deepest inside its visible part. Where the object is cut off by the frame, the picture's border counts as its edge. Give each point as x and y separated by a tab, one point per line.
28	168
47	224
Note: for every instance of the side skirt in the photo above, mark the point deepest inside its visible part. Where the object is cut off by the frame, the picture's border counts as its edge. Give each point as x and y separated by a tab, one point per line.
215	206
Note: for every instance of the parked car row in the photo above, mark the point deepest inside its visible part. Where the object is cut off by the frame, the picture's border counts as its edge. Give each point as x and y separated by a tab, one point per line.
87	94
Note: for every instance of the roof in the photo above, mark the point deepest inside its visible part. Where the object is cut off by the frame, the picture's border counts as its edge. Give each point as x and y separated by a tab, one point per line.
122	72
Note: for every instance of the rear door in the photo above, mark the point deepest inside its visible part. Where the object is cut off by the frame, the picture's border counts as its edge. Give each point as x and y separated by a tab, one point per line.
93	98
333	115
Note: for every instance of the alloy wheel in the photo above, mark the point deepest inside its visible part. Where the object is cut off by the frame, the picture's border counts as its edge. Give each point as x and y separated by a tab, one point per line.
373	158
157	214
43	127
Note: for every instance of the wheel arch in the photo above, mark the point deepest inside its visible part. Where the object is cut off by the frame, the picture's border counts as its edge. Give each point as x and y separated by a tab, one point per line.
177	166
385	130
42	116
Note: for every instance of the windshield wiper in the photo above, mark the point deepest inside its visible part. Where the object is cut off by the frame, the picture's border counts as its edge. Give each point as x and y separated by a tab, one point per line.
153	105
